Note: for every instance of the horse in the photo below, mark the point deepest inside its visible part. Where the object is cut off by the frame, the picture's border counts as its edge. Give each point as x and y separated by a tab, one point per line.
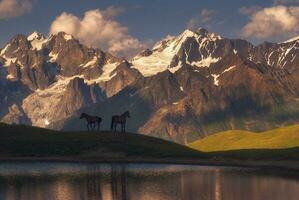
119	119
92	121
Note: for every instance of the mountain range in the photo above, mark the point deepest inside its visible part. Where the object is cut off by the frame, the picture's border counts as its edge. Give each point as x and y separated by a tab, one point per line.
185	88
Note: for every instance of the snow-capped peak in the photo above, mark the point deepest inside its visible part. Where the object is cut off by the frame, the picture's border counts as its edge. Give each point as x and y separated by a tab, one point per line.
166	51
37	40
35	36
199	34
188	33
292	39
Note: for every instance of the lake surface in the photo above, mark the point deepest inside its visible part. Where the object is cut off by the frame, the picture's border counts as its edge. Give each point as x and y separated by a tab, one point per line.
73	181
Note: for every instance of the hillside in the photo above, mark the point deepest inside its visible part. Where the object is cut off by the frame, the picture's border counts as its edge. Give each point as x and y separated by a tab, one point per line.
25	141
281	138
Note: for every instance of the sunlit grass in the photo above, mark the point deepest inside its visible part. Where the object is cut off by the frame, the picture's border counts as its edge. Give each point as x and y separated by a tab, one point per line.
280	138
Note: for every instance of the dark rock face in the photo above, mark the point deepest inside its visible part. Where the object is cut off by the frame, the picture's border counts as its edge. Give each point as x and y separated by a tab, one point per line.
124	75
146	53
71	56
27	65
79	95
186	87
16	115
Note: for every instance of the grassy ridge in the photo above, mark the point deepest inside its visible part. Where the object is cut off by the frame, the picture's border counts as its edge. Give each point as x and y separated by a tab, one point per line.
30	142
23	141
281	138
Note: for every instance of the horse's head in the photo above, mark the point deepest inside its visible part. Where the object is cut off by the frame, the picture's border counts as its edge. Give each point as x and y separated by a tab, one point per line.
127	113
82	115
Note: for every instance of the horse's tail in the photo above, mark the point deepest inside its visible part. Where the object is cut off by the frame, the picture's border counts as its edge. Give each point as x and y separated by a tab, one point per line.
112	123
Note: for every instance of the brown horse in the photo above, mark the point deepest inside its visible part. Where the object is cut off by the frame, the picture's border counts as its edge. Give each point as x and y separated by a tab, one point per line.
92	121
120	120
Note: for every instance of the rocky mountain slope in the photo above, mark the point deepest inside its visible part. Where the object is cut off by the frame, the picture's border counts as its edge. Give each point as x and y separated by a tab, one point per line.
186	87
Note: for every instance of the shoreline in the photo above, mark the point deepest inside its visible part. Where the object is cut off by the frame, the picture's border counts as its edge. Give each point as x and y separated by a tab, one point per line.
257	164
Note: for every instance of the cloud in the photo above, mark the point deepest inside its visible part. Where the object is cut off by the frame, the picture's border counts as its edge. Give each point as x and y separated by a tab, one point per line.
202	19
112	12
14	8
276	21
249	10
98	28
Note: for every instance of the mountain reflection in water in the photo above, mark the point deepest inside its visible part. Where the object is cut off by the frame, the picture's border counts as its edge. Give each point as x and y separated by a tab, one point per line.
61	181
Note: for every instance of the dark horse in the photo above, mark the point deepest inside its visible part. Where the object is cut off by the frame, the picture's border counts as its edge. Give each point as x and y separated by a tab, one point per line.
116	119
92	121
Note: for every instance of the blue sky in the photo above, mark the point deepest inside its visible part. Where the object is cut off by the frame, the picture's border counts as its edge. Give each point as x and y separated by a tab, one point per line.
148	19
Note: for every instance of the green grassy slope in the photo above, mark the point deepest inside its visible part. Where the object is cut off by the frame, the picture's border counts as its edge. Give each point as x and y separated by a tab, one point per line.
281	138
23	141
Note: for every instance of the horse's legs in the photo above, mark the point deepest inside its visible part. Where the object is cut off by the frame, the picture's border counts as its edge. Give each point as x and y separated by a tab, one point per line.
115	126
99	126
93	126
124	127
87	127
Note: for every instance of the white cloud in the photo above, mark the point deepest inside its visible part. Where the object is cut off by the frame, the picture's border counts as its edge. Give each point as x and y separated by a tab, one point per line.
276	21
201	19
249	10
14	8
99	29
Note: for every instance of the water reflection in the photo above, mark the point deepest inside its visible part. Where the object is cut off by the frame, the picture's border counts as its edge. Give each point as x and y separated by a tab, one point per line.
141	182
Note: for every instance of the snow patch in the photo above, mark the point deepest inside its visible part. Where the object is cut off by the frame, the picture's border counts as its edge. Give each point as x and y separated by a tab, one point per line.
37	40
67	37
91	63
174	69
47	122
58	87
4	50
216	76
155	63
53	56
283	54
216	81
9	61
206	62
38	44
10	77
107	73
33	36
292	40
228	69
